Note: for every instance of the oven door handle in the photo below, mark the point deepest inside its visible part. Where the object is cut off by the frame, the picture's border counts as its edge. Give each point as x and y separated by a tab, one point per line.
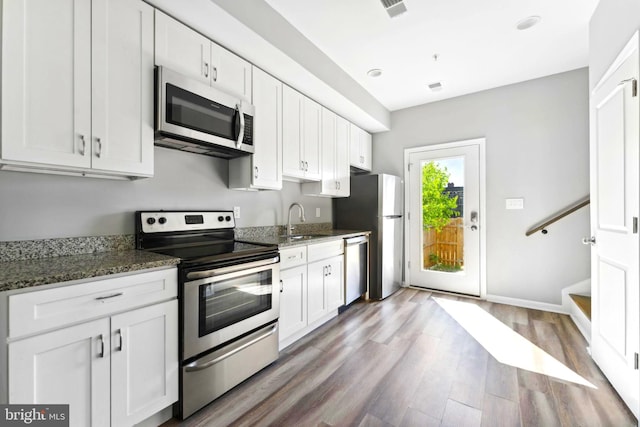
196	366
230	269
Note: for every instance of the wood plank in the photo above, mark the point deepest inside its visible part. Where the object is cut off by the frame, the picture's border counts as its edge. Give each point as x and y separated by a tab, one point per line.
538	409
497	411
415	418
502	380
456	414
583	302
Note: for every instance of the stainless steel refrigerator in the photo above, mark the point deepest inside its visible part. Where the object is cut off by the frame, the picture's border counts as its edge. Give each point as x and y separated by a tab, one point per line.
375	204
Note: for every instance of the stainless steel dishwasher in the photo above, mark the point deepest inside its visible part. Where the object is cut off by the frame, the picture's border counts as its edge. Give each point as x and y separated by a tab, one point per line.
356	272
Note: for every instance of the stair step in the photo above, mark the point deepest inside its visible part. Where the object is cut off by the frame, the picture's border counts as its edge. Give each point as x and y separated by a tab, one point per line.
584	303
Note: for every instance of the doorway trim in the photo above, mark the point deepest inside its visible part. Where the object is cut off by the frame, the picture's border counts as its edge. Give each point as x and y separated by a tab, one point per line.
481	143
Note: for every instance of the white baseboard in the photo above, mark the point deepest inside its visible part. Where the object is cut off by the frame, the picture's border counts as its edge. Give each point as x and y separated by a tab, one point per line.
536	305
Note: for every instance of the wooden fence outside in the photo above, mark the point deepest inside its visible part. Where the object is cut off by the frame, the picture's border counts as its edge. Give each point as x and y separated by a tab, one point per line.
447	245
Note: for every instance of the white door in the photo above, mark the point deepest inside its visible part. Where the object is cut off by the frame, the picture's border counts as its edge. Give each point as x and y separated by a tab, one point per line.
182	49
230	73
334	282
293	301
122	112
67	366
311	139
267	128
342	168
144	362
316	293
46	81
292	161
445	218
614	223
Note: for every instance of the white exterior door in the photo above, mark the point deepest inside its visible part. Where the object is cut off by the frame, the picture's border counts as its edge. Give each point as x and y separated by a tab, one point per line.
445	257
67	366
615	137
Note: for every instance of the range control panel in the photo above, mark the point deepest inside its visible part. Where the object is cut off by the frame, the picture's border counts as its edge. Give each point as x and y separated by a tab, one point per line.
165	221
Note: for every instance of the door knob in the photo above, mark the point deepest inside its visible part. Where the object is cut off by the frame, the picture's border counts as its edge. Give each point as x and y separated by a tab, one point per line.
589	240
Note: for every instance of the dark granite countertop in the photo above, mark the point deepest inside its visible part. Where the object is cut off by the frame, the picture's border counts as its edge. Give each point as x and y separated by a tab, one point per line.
34	272
312	237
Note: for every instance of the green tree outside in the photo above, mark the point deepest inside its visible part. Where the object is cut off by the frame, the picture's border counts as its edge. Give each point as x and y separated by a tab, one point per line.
437	207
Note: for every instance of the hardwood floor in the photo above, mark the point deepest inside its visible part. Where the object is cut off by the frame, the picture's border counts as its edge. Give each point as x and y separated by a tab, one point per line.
405	362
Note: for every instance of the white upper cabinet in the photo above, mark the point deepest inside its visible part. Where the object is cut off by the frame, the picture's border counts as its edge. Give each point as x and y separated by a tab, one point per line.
263	169
359	148
301	136
188	52
77	82
334	132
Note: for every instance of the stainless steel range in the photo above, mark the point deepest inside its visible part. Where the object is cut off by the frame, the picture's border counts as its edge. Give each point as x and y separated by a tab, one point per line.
229	304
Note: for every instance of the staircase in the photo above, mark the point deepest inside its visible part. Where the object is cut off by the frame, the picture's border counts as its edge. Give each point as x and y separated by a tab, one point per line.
580	312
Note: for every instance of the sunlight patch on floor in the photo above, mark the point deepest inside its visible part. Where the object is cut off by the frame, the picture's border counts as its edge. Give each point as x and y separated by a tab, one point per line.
506	345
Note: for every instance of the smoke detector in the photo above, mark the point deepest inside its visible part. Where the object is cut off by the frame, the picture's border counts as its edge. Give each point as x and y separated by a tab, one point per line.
394	7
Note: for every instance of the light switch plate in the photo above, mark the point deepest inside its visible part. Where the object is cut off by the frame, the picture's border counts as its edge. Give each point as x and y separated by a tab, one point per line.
514	203
236	212
317	212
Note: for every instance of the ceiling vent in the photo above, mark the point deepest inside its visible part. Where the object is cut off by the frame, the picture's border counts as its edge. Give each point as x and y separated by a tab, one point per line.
394	7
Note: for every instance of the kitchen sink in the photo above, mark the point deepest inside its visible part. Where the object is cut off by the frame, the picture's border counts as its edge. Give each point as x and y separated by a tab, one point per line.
302	236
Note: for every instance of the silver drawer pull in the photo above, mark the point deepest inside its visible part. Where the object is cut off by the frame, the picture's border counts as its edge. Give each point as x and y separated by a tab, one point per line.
109	296
101	338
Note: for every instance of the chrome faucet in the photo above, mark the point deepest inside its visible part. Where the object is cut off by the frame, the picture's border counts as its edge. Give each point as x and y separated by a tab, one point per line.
289	226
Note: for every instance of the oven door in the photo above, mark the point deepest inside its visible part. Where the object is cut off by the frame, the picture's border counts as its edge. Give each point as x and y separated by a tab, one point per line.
221	304
192	111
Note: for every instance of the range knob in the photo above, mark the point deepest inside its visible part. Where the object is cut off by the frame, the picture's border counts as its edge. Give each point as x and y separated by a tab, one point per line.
227	218
162	220
151	221
220	218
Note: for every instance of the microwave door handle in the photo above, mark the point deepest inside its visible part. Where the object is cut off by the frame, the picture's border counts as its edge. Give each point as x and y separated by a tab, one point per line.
241	132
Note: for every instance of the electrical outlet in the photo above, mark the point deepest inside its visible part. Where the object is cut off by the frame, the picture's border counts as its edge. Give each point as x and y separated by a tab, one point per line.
317	212
236	212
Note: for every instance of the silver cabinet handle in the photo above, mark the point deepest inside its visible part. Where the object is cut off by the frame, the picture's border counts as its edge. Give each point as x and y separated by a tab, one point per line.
306	166
120	338
281	286
99	152
324	270
84	145
589	240
302	165
206	69
330	269
101	338
215	74
197	366
109	296
255	175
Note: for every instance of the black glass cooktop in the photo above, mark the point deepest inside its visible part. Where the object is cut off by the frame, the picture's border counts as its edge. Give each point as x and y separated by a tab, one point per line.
212	251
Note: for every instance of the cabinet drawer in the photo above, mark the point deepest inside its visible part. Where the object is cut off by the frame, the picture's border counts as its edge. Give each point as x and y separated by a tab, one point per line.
51	308
292	257
325	250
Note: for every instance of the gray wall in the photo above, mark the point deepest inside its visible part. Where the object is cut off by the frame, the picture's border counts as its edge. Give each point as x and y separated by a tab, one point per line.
612	25
537	147
37	206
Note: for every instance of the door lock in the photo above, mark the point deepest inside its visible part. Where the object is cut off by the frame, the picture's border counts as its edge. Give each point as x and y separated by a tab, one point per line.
589	240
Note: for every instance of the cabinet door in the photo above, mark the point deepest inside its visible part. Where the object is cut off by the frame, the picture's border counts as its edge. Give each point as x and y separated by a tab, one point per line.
311	139
335	282
342	169
67	366
355	152
366	145
46	81
292	161
328	135
144	362
267	158
230	73
316	293
122	112
293	301
182	49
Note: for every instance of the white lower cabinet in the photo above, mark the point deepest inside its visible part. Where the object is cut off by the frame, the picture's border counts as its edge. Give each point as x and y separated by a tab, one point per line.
116	370
311	293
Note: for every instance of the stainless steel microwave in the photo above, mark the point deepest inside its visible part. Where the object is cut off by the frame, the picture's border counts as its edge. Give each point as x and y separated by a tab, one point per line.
195	117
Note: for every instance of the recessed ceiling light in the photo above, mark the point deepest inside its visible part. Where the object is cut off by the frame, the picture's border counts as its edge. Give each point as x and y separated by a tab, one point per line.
375	72
528	22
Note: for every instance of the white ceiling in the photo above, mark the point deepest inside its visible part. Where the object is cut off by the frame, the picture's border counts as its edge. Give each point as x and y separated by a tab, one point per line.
477	44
